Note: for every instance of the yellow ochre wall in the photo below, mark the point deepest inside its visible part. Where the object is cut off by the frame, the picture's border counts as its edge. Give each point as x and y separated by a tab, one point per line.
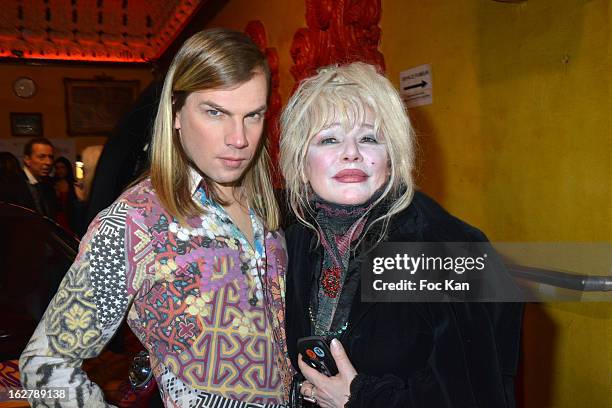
518	142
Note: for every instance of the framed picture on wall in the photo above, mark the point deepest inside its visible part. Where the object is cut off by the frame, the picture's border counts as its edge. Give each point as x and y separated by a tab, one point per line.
94	106
26	124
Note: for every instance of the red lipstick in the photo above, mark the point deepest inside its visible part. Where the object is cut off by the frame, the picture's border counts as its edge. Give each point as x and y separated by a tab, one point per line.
350	176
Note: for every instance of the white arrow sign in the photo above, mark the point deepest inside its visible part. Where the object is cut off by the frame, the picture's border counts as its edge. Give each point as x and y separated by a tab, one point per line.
416	88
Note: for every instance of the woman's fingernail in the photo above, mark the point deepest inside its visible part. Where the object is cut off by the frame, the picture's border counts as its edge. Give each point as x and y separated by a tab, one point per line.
335	344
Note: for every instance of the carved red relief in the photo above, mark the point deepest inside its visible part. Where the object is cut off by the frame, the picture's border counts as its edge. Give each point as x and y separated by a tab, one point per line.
256	30
339	31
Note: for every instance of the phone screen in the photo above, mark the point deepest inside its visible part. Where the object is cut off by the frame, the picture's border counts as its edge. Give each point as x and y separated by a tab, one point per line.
315	352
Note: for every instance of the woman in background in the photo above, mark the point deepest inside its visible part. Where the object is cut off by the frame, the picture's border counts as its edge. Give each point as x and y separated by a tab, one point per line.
347	155
63	183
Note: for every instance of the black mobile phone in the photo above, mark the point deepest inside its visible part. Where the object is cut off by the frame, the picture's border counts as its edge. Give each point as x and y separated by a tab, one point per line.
315	352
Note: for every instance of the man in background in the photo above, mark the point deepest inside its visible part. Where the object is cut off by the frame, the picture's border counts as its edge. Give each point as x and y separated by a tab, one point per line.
32	188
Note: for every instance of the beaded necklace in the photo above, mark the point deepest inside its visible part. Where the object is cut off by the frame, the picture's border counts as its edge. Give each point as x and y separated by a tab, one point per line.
329	335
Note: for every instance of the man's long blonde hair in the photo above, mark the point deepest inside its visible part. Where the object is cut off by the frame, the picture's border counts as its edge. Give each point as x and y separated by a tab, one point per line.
343	94
211	59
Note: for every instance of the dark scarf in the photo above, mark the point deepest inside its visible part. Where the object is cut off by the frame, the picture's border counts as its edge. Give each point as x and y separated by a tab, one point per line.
339	226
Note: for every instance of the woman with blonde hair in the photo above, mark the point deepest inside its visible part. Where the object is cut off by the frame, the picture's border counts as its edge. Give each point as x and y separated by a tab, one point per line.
347	152
191	253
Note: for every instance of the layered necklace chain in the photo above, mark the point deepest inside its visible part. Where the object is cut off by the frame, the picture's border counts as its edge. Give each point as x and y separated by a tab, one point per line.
328	334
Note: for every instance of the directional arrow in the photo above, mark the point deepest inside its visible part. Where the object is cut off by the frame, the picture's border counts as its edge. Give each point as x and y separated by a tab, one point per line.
420	84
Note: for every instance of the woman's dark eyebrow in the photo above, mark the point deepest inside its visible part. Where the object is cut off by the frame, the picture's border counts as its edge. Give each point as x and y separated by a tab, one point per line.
365	125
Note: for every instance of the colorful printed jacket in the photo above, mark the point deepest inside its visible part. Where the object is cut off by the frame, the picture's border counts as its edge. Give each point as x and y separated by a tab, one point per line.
208	307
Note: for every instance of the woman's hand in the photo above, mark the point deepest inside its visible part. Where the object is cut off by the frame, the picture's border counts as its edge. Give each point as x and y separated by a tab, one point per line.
329	392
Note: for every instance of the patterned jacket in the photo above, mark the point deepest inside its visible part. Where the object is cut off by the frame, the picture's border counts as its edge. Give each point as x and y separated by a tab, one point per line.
207	305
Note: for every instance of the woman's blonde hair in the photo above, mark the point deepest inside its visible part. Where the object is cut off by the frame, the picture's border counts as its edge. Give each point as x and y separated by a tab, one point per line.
211	59
344	94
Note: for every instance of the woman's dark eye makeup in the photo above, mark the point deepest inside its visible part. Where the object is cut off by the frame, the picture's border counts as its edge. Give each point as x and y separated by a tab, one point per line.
369	139
366	138
363	139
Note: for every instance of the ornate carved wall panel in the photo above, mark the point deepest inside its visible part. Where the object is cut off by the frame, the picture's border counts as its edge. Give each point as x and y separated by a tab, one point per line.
339	31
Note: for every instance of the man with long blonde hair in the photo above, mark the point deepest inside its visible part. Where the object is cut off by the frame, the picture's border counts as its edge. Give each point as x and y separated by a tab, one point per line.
191	253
